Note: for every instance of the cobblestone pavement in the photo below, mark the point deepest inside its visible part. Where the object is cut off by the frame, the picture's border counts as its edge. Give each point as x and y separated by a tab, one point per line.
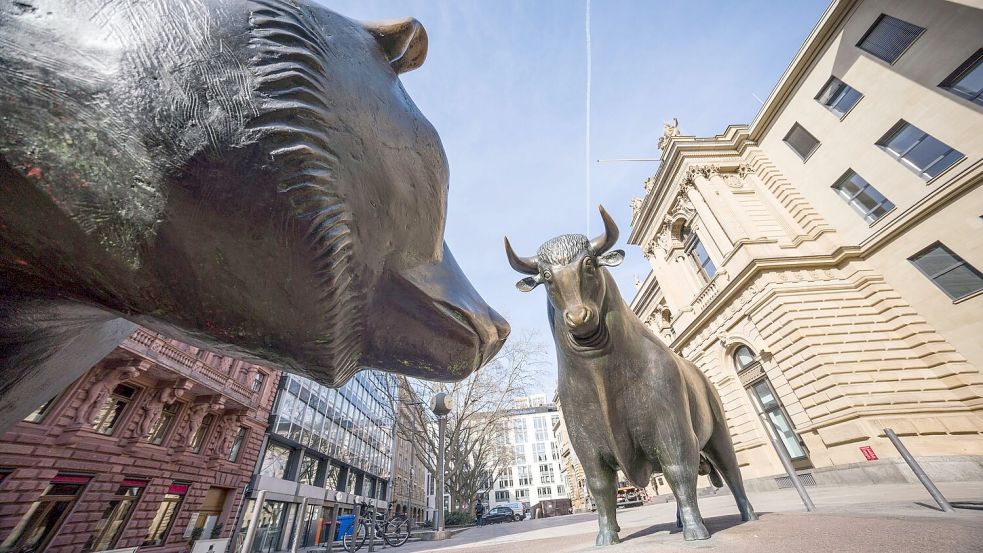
895	518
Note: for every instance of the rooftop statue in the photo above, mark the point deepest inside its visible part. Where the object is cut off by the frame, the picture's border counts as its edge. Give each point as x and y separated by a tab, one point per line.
249	177
629	401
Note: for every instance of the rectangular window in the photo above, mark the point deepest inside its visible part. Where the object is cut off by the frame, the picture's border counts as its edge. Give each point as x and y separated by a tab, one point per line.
505	478
801	141
545	491
237	443
862	197
542	432
502	495
167	417
258	381
167	511
115	516
948	271
520	454
838	97
198	440
519	426
889	37
698	252
112	409
546	475
967	80
46	515
308	470
918	150
525	475
560	490
521	494
38	414
275	460
540	452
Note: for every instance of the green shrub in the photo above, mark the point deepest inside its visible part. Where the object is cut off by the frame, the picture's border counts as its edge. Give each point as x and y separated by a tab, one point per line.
458	518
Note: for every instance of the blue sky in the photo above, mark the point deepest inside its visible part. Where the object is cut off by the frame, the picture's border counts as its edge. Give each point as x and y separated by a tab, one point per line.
505	86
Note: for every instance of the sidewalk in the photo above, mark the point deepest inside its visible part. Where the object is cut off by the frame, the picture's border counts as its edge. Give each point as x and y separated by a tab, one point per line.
884	518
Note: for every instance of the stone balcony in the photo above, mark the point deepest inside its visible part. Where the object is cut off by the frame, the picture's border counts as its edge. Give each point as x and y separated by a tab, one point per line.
158	349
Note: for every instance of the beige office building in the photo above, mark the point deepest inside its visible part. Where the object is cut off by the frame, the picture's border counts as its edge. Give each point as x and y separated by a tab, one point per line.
822	264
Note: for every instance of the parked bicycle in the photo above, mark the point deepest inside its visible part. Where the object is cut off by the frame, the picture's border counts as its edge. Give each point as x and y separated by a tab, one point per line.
393	530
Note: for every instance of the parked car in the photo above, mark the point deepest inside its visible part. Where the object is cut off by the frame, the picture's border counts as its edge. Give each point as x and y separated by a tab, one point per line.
498	514
518	508
629	496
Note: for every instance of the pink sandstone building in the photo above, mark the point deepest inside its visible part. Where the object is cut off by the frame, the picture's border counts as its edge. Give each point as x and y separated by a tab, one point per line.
151	448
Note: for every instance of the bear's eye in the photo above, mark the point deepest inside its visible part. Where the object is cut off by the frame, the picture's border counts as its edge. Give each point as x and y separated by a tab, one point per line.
547	275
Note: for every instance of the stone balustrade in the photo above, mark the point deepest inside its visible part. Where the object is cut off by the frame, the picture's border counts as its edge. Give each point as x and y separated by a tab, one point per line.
160	350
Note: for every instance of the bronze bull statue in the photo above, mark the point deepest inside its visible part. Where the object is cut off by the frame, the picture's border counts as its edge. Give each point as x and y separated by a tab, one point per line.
629	401
246	176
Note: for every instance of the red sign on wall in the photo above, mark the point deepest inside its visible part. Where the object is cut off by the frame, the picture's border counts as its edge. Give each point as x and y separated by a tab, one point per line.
868	453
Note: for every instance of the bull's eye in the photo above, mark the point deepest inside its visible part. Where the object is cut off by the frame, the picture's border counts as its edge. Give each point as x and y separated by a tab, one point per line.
588	262
547	275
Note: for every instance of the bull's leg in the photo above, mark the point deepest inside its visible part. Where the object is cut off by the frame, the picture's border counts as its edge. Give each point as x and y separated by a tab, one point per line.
720	451
602	480
680	464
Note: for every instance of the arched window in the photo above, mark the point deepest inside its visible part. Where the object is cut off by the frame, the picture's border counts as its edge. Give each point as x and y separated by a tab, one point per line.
743	358
763	394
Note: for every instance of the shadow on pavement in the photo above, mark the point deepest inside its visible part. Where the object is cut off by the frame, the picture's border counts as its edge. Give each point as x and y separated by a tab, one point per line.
713	524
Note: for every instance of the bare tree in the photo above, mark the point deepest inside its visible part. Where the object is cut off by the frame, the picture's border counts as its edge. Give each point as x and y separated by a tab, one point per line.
476	444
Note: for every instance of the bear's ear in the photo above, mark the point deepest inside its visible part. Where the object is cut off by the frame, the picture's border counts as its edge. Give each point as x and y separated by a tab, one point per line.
404	42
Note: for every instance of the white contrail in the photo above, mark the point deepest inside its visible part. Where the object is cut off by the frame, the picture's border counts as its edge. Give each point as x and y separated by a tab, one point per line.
587	141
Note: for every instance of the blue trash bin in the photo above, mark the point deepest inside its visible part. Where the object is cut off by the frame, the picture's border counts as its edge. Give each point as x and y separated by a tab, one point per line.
345	523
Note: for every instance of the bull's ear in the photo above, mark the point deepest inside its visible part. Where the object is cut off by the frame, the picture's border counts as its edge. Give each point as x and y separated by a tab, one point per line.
612	258
527	284
404	41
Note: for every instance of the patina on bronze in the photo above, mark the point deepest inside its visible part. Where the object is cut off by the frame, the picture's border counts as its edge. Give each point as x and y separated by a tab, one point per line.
628	400
246	176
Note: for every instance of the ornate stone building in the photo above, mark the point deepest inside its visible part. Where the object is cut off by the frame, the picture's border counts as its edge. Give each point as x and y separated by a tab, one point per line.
822	264
157	440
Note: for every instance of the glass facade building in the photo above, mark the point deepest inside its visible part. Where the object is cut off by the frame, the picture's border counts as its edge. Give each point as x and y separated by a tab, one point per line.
324	448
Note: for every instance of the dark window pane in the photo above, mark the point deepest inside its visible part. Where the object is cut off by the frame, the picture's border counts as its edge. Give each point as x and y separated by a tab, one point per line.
846	101
934	261
967	80
927	152
904	139
889	37
960	281
801	141
944	163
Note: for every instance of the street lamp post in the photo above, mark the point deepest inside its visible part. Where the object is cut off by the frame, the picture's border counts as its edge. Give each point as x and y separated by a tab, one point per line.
441	405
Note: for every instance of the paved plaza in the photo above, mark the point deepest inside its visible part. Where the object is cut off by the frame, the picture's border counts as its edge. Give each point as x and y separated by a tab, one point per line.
896	518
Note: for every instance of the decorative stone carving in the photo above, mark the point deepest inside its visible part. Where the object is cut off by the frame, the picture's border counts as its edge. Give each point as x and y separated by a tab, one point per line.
743	170
228	426
154	407
192	420
99	390
669	130
733	181
636	206
649	184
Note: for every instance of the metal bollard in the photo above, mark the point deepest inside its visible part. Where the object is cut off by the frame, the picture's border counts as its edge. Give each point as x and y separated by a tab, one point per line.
786	462
372	529
917	469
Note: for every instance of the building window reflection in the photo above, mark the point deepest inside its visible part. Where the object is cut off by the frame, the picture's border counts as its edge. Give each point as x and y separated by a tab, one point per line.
46	515
275	460
167	511
112	409
763	394
115	516
167	417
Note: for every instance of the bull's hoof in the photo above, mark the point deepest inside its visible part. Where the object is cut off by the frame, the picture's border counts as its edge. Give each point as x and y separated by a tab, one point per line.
748	516
607	537
695	531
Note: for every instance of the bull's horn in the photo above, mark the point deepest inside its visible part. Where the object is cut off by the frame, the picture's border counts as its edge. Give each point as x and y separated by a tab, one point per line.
605	241
527	265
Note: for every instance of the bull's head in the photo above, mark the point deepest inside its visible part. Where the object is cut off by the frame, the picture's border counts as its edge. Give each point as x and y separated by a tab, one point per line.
571	266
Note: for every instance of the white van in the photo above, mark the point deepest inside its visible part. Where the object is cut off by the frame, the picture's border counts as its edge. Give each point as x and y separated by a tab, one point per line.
518	508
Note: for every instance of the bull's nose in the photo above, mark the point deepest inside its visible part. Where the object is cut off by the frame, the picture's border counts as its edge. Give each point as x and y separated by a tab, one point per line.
577	316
